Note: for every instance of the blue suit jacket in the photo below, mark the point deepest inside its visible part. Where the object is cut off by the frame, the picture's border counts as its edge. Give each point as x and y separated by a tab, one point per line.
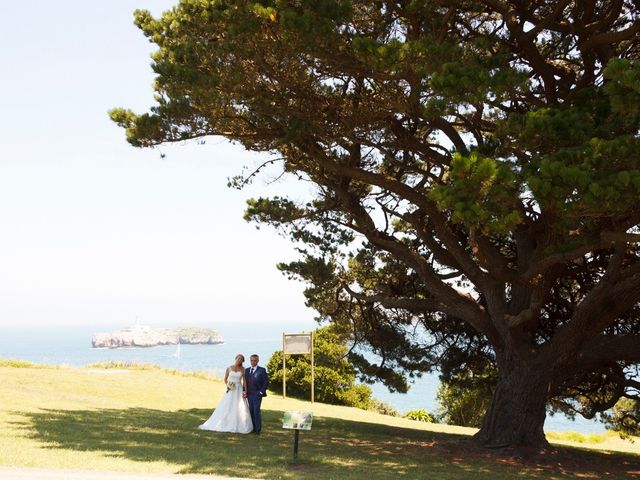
260	380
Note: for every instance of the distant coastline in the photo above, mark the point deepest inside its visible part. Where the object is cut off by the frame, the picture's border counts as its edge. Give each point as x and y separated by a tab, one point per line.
145	336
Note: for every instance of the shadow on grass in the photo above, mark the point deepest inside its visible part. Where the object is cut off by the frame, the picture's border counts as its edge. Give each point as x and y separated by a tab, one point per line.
333	449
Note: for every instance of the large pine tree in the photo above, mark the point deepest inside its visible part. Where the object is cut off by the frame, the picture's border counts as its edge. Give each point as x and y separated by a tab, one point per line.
477	167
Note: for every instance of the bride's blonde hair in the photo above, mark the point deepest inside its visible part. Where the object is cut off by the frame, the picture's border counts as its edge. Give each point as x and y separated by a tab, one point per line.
240	356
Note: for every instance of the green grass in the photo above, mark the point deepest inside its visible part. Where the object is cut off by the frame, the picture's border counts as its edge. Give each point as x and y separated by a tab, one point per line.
9	362
124	417
576	437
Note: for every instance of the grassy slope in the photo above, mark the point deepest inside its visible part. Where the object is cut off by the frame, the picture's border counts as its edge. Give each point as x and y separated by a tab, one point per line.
145	420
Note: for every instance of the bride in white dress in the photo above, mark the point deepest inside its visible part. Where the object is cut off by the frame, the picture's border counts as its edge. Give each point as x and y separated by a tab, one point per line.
232	414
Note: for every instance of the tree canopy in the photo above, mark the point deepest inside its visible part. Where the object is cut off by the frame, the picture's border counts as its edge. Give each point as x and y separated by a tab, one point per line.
476	167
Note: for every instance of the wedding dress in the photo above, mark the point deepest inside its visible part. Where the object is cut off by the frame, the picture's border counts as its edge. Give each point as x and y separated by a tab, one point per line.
232	413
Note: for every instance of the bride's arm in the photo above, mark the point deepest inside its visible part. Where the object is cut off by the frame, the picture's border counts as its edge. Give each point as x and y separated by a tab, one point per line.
226	376
244	383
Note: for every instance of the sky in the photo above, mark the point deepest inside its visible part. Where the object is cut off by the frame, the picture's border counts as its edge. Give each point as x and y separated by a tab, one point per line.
96	232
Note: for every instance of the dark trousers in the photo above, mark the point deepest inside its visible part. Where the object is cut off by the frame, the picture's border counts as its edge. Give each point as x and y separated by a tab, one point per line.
255	401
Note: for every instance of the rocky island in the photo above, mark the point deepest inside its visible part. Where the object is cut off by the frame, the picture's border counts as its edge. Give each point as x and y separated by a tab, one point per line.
144	336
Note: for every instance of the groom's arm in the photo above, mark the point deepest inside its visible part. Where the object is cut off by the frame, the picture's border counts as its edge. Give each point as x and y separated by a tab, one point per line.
266	381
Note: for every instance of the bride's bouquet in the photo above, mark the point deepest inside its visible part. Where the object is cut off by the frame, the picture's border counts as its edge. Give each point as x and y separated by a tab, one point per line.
231	385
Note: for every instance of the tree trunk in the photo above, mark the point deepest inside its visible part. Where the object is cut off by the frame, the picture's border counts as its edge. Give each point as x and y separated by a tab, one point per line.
516	415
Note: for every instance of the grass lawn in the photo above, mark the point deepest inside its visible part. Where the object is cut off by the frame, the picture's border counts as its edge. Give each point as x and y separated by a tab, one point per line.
144	420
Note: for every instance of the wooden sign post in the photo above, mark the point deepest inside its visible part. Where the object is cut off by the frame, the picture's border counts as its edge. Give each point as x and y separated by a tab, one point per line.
297	344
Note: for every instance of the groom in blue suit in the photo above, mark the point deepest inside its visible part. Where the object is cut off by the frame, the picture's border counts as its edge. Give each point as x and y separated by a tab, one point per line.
256	385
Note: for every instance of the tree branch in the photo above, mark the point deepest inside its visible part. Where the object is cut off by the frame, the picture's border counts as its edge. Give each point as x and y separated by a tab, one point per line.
613	295
457	303
410	304
610	348
441	228
609	38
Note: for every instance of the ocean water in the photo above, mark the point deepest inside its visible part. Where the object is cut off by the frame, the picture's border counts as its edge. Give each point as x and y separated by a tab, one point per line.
72	346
